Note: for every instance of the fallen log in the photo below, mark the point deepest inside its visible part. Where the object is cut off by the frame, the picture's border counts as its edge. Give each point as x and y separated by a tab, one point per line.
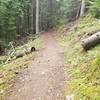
21	53
91	41
29	50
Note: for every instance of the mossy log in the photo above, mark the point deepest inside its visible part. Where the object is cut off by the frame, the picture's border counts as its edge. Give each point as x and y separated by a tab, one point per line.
91	41
21	53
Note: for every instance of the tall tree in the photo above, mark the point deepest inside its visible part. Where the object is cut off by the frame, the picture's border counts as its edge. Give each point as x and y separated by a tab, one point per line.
37	16
82	7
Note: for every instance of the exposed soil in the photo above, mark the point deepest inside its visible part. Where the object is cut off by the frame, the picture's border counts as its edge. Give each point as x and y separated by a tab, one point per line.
45	79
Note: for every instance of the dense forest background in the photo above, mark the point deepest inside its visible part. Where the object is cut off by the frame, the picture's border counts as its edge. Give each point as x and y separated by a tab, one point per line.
17	17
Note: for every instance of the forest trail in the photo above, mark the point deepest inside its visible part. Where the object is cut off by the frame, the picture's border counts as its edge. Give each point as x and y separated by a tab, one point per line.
45	79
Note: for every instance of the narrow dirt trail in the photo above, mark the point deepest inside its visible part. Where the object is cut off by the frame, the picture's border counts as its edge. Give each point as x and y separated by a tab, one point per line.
45	79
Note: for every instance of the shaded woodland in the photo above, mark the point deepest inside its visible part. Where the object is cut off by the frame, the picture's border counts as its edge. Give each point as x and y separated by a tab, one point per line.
18	17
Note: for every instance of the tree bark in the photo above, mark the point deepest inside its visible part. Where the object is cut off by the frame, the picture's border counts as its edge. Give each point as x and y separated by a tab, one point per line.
82	7
32	26
37	16
91	41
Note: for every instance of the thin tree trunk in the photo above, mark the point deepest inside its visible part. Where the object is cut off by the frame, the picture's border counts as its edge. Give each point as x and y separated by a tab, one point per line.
28	19
37	16
32	26
50	13
82	8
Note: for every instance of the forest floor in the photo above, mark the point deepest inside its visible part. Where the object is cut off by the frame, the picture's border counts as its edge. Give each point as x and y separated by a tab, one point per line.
45	79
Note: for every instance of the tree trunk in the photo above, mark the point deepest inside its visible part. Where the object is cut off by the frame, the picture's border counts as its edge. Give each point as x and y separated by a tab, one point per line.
32	27
50	13
91	41
28	19
82	7
37	16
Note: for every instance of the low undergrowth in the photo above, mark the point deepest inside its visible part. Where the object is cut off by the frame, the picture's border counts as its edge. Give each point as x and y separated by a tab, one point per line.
83	67
9	70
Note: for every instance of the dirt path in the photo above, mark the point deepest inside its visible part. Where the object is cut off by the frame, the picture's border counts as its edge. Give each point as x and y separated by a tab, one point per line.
44	80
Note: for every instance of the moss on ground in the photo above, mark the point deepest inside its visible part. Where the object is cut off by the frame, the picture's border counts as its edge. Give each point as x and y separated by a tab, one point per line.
84	67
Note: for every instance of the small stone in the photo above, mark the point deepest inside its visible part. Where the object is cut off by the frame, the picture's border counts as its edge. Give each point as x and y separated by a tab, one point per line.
48	60
19	90
39	98
43	73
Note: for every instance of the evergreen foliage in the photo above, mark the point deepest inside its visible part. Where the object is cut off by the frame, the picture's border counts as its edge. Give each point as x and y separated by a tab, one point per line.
95	8
18	17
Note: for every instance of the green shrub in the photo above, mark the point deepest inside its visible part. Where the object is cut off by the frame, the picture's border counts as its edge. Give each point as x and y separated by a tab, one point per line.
95	8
